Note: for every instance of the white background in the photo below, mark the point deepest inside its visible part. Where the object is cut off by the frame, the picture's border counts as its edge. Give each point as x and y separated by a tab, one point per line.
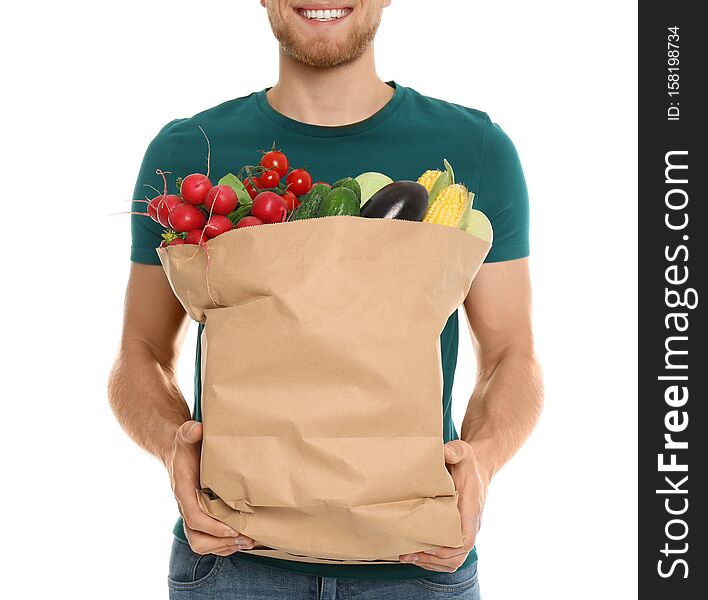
85	510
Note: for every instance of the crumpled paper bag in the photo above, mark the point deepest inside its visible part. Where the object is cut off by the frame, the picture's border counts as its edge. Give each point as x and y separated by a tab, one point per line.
322	382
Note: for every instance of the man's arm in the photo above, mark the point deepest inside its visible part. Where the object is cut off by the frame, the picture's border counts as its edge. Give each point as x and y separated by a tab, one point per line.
508	396
506	401
142	388
144	396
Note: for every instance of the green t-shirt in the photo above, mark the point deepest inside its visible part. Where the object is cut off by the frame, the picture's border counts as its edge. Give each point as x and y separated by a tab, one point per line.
409	135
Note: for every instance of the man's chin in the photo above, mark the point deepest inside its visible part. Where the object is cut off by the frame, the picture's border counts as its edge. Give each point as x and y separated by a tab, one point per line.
326	54
322	54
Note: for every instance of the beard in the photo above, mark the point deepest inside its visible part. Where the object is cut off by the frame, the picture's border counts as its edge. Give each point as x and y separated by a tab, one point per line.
325	55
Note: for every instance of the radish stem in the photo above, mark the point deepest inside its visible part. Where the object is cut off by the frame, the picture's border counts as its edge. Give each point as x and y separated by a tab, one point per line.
208	151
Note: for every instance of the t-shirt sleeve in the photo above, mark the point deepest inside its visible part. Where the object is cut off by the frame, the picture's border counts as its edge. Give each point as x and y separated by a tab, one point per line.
146	233
502	195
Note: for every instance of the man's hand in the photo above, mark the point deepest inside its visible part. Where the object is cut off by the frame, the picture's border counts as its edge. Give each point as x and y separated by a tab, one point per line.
149	405
471	486
205	535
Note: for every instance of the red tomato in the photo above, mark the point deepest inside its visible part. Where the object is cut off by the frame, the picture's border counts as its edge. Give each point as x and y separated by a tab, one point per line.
269	179
277	161
290	200
252	191
321	183
299	182
177	242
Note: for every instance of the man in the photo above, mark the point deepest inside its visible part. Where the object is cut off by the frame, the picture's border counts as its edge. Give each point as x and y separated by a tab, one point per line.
330	111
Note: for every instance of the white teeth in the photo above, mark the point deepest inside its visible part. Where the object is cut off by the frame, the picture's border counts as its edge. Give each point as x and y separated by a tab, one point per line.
325	15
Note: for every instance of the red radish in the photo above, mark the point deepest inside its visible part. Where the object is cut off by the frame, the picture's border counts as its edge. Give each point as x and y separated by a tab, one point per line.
186	217
221	200
269	179
177	242
321	183
163	243
165	205
299	182
275	160
217	225
269	208
290	200
248	222
194	188
196	236
152	208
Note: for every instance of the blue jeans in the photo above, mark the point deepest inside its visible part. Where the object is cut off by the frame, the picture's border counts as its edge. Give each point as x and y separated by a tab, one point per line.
210	577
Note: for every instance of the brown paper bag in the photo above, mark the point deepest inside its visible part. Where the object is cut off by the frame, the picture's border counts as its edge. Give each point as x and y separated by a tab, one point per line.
322	382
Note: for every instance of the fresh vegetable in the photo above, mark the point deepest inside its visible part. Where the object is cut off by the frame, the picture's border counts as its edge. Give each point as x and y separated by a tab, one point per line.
312	204
252	191
196	236
449	203
152	208
352	184
221	200
450	206
270	193
165	205
216	225
249	222
370	183
269	208
478	225
407	200
194	188
269	179
340	201
169	236
275	160
299	182
436	181
428	179
290	200
242	211
237	185
186	217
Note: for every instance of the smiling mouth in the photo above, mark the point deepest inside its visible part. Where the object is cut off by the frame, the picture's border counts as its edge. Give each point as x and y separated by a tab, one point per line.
324	16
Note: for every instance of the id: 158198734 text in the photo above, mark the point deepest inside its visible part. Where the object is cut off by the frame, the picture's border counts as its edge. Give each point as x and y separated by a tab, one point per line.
673	76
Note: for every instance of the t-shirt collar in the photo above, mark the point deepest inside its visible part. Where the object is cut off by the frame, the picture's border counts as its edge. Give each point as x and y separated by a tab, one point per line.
332	131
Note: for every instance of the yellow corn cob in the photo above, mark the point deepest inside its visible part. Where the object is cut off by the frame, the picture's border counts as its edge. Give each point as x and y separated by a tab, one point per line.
428	179
449	206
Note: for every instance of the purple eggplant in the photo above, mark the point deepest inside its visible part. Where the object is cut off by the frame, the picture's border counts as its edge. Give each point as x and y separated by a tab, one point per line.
407	200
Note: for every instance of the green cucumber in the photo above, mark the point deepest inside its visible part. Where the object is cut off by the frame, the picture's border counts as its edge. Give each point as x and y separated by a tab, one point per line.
311	206
340	201
350	183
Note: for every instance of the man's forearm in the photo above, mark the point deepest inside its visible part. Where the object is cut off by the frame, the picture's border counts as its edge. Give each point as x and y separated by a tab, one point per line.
145	398
504	408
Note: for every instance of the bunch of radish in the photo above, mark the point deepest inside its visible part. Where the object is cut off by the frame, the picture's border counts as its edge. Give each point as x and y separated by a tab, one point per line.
265	193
